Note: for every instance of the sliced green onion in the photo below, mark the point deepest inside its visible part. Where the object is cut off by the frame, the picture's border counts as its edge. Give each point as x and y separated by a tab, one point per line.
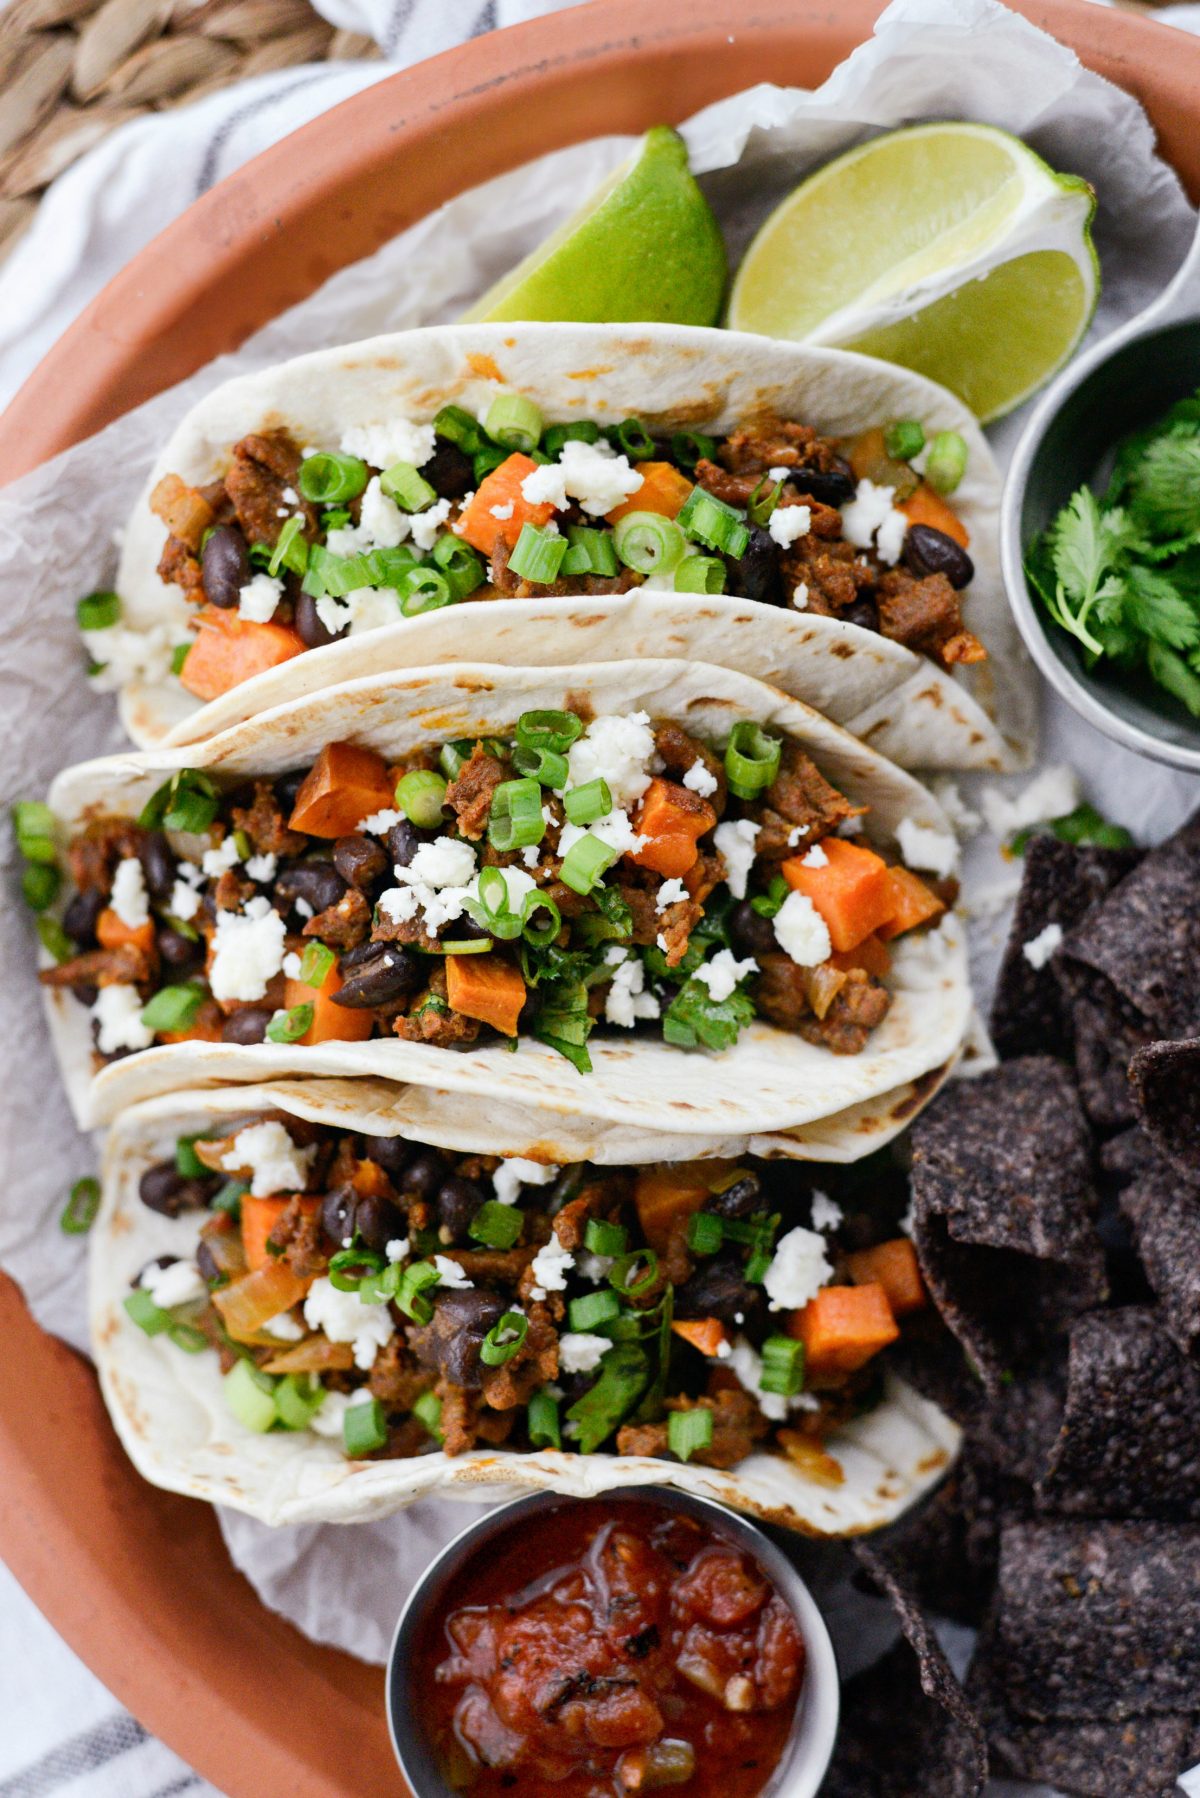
316	964
424	589
364	1428
649	543
688	1432
40	882
328	479
187	1163
491	909
459	564
495	1225
83	1202
588	803
783	1362
143	1311
602	1238
336	518
515	820
700	574
427	1409
418	1277
514	421
379	1285
188	802
710	521
583	431
545	766
229	1198
297	1400
291	551
421	796
457	426
770	903
540	935
632	438
179	656
538	555
705	1233
621	1273
548	730
290	1026
592	1309
187	1338
542	1421
54	939
590	551
243	845
452	756
762	503
946	463
690	447
174	1007
250	1395
504	1339
465	945
488	458
349	1267
33	824
586	862
98	612
904	439
405	483
752	759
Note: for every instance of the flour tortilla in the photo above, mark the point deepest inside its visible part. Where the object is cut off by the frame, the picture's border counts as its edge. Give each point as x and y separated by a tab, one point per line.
770	1081
171	1416
672	377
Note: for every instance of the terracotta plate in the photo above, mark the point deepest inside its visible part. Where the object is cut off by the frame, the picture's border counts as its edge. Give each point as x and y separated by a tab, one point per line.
138	1581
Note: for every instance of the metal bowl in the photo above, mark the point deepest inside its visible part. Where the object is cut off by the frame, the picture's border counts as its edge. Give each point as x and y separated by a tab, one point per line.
814	1727
1122	384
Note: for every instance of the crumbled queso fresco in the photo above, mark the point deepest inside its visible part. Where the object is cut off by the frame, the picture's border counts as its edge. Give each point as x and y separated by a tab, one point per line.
798	1270
872	519
923	847
275	1163
1038	950
248	950
802	932
345	1317
515	1172
735	841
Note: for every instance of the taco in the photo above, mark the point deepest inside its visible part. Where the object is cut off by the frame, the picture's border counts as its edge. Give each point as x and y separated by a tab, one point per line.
323	520
717	1326
688	902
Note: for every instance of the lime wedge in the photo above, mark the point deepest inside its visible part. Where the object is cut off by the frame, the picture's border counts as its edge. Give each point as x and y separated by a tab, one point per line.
950	248
645	248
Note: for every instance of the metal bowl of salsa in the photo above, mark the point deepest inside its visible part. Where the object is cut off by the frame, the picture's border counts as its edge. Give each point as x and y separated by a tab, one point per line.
647	1640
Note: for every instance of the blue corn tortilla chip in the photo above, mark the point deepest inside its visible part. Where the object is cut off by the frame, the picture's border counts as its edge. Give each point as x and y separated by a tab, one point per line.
1105	1042
1165	1083
1061	882
1098	1622
1004	1212
1130	1439
1163	1209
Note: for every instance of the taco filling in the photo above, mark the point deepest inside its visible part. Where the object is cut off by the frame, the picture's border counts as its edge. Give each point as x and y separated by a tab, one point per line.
400	1298
612	874
297	547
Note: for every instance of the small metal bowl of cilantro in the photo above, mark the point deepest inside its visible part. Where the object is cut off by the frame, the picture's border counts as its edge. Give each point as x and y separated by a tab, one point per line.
1101	532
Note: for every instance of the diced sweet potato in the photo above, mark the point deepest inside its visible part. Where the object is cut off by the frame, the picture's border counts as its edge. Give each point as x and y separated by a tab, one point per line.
670	1191
230	649
663	490
893	1265
704	1333
850	889
113	933
871	955
478	523
330	1023
259	1218
674	818
842	1328
926	506
912	903
344	785
487	988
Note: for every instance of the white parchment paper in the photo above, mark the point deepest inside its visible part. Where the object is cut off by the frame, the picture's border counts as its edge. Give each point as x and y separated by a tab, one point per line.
927	59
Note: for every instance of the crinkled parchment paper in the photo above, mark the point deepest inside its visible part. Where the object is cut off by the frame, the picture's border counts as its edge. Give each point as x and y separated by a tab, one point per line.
928	59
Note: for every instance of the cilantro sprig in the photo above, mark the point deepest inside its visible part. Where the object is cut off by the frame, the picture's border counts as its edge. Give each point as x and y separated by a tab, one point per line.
1121	573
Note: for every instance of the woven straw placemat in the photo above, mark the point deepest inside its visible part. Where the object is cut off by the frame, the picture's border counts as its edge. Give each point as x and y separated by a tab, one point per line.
72	70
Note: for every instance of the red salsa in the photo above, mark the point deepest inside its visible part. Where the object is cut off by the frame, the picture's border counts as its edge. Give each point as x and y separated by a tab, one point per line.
612	1647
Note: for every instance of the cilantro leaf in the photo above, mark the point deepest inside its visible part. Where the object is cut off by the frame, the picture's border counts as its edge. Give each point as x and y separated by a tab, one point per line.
1165	487
1084	544
1153	605
694	1019
1172	672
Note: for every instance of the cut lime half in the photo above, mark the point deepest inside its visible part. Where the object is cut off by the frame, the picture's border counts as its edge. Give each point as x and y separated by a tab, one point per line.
950	248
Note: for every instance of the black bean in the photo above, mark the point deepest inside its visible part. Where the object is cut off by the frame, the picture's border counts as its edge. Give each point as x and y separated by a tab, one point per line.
755	575
164	1189
287	786
449	472
337	1214
391	1153
318	883
79	919
225	564
359	859
833	486
210	1268
423	1175
751	933
177	950
461	1320
864	613
312	630
718	1288
387	972
247	1025
403	841
927	551
377	1221
456	1204
741	1199
85	992
158	865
